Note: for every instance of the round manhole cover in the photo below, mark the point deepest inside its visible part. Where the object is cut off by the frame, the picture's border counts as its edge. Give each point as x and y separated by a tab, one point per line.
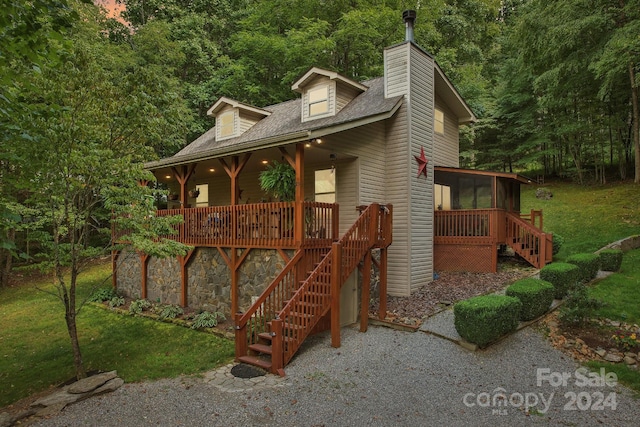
246	371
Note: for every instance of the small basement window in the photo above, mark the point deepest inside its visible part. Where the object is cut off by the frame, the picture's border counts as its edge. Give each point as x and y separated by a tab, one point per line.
438	125
225	122
318	101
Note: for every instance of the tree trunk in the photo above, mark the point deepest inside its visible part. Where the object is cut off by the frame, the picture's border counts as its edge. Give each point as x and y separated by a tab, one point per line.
636	121
6	260
70	318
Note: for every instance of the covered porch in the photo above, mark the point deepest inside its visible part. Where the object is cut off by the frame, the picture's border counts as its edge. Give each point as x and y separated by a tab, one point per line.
477	213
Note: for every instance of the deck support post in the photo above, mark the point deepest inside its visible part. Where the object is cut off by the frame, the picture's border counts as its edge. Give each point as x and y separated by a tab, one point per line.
277	356
366	291
241	337
336	275
144	258
382	286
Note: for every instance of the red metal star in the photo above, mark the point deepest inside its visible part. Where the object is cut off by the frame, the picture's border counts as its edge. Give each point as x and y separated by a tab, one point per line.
422	163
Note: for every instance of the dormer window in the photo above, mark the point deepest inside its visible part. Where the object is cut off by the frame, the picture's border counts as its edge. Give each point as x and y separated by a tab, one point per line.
318	101
226	122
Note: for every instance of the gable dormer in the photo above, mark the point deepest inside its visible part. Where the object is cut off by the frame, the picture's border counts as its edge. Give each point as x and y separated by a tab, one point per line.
325	93
233	118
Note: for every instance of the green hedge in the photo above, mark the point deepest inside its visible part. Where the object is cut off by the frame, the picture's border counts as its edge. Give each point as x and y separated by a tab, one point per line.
536	296
610	259
588	265
562	276
481	320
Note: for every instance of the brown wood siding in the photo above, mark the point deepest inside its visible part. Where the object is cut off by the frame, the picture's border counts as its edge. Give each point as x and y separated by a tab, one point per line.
447	146
421	136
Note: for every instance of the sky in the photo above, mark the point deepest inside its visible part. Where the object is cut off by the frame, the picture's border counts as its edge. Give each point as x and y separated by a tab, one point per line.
113	8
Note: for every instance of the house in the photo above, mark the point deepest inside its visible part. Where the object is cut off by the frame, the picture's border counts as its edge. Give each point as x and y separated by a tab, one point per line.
376	167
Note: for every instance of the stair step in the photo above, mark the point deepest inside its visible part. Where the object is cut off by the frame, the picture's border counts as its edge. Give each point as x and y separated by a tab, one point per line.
267	337
256	361
261	348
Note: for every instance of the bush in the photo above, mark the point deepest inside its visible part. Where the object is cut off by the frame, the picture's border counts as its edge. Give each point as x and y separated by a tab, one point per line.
138	306
481	320
170	311
562	276
578	307
116	302
207	319
535	295
610	259
588	266
558	241
103	294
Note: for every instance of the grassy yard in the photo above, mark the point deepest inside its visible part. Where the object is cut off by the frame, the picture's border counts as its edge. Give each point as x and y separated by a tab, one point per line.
35	351
587	217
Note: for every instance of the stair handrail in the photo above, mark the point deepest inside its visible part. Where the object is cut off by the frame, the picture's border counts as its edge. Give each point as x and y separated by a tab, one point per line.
357	237
241	319
540	241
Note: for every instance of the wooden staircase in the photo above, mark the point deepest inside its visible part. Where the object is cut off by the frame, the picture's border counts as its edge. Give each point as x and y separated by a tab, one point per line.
529	241
304	298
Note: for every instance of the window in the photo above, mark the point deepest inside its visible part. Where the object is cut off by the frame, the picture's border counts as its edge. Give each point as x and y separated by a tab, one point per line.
203	195
318	101
226	124
438	124
325	186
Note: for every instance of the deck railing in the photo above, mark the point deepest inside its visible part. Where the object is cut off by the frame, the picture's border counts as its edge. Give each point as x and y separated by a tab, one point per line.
528	241
481	226
261	225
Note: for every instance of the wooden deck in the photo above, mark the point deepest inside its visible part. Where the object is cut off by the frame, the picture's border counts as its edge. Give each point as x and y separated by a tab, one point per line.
467	239
261	225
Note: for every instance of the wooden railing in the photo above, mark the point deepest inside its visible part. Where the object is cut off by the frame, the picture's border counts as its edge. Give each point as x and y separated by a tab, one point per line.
528	241
480	226
306	288
261	225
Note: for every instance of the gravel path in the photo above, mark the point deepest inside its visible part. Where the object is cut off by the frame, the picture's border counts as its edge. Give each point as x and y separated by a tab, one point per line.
383	377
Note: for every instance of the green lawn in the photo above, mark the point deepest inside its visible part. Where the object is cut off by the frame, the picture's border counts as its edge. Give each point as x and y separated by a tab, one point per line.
35	351
621	291
587	217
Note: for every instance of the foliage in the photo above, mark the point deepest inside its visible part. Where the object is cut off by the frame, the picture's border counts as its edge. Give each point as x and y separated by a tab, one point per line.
628	340
206	319
279	180
138	306
588	265
620	291
610	259
578	306
481	320
563	276
535	295
168	311
139	349
103	294
116	302
558	241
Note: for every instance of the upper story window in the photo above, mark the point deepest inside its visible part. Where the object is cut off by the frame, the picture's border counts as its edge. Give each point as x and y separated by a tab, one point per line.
318	101
438	121
225	124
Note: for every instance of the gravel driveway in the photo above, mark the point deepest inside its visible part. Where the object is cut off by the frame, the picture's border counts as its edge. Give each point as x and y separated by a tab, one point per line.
382	377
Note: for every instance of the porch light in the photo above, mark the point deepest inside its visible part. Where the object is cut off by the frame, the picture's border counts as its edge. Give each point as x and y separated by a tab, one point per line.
264	162
167	176
212	170
307	145
318	141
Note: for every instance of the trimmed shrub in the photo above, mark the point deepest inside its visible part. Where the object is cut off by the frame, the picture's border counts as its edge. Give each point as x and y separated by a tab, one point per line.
563	276
535	295
481	320
558	241
588	266
610	259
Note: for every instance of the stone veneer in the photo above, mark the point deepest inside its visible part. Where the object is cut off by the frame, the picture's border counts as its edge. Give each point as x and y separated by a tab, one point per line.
209	278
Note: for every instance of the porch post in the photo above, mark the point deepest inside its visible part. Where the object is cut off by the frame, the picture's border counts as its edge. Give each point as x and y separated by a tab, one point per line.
336	274
366	288
182	176
299	211
234	172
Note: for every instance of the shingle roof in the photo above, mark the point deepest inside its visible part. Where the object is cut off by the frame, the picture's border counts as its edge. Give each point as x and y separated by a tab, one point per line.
284	121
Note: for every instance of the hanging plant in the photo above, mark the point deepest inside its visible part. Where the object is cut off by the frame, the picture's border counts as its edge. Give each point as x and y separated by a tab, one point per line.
194	193
279	180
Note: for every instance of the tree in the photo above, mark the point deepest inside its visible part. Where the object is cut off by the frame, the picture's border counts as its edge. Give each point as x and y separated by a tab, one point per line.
93	118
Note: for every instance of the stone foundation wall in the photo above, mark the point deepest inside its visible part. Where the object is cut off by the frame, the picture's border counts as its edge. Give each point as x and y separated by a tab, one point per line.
209	278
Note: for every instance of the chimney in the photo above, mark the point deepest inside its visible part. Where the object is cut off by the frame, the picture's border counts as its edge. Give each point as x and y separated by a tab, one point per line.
409	17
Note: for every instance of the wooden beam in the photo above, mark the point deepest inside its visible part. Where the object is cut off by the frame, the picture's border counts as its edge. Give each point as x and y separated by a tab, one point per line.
299	211
182	175
336	270
382	286
284	255
288	157
366	291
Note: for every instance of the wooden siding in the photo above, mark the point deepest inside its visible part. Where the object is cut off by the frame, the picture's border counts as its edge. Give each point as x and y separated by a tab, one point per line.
246	120
421	108
344	95
397	170
446	147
